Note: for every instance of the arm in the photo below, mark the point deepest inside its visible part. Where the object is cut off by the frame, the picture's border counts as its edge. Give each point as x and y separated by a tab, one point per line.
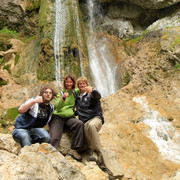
96	94
26	106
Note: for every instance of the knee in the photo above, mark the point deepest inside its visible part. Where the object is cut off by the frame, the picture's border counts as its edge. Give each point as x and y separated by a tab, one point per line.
47	138
80	124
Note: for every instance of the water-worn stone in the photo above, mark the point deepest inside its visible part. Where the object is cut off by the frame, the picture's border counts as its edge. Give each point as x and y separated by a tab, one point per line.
8	144
39	162
148	4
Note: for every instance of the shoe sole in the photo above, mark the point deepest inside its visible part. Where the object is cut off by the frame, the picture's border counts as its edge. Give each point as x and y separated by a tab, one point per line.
75	157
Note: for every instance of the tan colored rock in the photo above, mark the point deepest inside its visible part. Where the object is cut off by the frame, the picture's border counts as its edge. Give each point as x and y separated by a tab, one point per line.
5	157
8	144
39	162
89	169
17	45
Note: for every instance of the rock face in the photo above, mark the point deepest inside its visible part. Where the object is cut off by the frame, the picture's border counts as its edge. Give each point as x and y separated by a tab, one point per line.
39	162
14	15
149	4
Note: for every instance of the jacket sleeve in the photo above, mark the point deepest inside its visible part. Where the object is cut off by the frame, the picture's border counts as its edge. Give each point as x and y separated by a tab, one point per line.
95	94
58	102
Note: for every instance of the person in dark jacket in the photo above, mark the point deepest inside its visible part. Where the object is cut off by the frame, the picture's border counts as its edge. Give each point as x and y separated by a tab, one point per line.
89	111
35	114
88	106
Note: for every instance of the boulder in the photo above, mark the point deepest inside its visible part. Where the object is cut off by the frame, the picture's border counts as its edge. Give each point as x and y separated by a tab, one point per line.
39	162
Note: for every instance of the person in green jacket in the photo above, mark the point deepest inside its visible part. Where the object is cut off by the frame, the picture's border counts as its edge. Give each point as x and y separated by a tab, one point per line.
63	116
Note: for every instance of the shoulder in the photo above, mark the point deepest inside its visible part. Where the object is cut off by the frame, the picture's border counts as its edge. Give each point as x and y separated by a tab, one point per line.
77	91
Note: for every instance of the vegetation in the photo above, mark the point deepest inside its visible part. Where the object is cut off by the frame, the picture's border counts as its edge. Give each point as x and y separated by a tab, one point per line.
140	37
6	34
7	119
8	68
1	60
17	58
11	114
177	66
33	5
2	82
126	78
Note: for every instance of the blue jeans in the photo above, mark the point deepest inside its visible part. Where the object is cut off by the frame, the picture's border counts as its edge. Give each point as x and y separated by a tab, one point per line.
26	137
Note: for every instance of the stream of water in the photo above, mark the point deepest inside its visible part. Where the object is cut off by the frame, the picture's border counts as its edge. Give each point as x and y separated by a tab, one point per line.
59	40
103	69
161	131
62	18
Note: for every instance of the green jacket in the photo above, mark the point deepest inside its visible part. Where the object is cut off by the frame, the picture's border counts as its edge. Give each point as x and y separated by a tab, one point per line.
65	109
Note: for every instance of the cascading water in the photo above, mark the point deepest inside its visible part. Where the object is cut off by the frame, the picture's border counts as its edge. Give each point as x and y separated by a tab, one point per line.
162	132
59	38
69	48
102	67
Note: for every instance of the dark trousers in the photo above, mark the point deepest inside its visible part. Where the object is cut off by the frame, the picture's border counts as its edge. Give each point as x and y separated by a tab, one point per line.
57	125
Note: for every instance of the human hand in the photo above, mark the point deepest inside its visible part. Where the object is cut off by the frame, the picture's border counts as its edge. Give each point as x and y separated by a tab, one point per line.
88	89
38	99
66	94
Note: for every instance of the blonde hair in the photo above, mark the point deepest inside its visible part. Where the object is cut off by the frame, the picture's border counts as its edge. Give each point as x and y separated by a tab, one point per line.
82	78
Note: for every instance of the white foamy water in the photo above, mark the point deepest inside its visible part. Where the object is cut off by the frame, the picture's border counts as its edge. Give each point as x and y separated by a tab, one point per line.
59	37
103	69
62	18
161	131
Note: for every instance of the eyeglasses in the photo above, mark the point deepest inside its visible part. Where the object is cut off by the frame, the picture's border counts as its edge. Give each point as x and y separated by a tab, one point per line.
46	92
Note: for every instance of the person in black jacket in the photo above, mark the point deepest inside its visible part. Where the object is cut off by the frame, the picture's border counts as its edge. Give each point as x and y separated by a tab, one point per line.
89	111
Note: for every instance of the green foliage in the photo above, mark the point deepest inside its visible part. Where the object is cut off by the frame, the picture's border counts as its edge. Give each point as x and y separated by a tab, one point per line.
140	37
2	82
33	5
1	60
177	66
11	114
7	67
126	78
17	58
8	33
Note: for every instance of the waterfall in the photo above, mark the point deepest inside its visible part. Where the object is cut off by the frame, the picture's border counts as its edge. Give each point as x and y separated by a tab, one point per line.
162	132
59	38
69	48
103	69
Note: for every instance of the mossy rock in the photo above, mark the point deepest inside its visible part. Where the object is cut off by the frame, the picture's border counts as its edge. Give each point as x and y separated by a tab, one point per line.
2	82
33	5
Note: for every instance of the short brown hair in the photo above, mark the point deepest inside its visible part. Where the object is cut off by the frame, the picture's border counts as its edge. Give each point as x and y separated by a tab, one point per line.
43	89
82	78
72	77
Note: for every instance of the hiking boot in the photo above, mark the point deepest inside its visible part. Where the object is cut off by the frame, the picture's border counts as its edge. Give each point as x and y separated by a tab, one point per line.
93	156
73	153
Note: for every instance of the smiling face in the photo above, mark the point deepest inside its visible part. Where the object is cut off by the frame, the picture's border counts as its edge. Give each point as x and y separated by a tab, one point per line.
69	83
47	95
81	86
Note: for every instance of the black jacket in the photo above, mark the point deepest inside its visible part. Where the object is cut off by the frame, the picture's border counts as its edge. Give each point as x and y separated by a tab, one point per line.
89	106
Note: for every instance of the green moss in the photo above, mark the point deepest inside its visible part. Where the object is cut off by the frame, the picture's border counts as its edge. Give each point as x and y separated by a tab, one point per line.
8	68
33	5
8	33
140	37
177	66
44	9
126	78
17	58
1	60
2	82
11	114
